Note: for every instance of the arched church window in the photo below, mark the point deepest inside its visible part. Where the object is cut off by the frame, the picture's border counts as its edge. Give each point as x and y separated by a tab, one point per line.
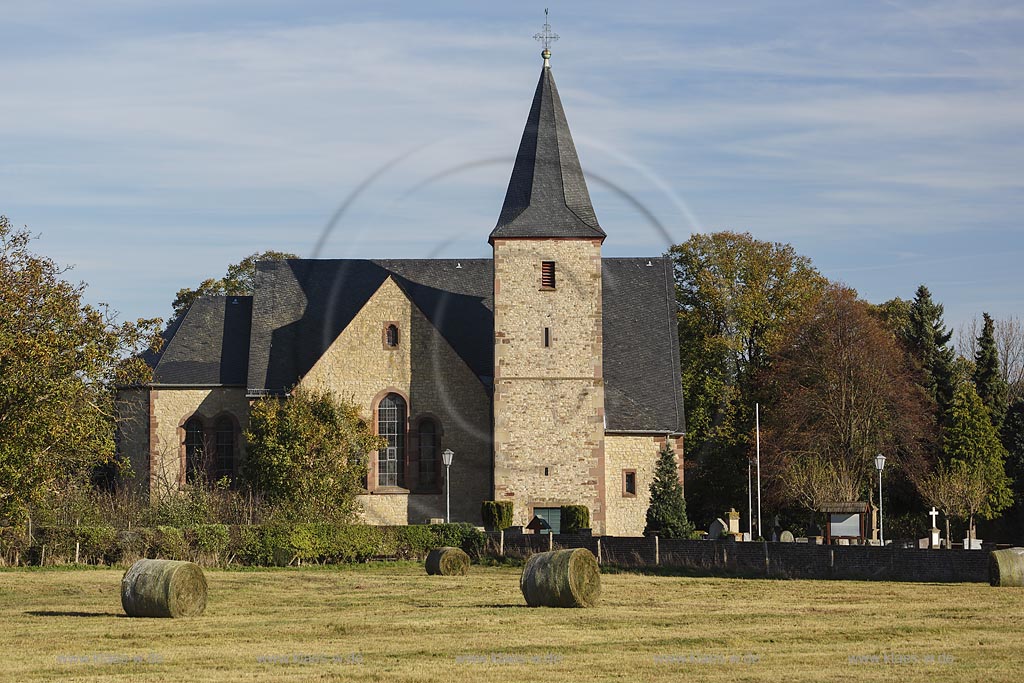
428	454
224	464
391	416
391	336
194	444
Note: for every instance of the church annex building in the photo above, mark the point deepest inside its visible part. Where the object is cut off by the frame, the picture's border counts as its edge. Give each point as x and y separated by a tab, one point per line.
551	372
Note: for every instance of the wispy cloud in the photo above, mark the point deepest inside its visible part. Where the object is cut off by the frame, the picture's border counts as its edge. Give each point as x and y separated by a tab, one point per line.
203	134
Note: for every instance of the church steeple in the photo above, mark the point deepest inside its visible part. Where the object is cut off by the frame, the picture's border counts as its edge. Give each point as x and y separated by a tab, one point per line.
547	195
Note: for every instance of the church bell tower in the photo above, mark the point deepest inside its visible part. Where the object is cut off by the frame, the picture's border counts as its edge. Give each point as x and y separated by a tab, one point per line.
548	374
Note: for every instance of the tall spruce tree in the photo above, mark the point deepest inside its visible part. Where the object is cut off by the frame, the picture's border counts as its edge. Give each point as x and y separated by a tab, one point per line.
928	339
988	379
667	512
974	452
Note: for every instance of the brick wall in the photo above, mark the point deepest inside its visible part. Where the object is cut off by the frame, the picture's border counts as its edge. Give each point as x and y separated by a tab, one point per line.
774	560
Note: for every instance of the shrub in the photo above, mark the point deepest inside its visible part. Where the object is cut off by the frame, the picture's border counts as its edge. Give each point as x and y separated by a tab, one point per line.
574	518
135	544
497	514
96	544
170	543
465	536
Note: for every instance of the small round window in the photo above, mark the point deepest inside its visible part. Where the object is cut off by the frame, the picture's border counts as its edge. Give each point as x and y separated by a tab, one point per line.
391	336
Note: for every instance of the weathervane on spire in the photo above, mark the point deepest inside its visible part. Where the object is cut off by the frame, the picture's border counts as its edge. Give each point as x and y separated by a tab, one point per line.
546	37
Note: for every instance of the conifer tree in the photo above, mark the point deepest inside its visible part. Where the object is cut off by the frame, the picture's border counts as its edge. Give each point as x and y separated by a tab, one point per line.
974	452
667	512
928	339
988	379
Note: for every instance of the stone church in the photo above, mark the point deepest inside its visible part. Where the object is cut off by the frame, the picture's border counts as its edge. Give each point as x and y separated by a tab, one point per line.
550	372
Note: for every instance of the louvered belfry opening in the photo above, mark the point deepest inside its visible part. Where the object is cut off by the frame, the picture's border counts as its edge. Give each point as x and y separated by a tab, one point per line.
547	274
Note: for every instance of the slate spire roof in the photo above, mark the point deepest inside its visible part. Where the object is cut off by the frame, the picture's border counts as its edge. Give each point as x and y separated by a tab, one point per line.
547	195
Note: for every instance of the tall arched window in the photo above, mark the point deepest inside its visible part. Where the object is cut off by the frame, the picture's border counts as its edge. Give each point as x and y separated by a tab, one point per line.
428	454
391	413
224	465
194	441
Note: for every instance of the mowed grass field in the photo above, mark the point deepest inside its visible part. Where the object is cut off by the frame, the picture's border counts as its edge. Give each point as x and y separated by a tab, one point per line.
391	622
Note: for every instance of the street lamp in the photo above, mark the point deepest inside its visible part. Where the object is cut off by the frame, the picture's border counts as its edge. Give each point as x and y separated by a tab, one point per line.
880	465
446	458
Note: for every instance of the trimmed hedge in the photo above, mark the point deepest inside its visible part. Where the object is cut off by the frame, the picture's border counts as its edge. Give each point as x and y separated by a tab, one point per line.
218	544
497	514
574	518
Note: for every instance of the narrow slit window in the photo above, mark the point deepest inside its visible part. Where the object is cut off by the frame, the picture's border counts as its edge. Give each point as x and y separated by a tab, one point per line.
547	274
391	336
547	337
629	483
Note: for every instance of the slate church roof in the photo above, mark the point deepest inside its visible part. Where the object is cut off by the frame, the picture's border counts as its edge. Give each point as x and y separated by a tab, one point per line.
547	194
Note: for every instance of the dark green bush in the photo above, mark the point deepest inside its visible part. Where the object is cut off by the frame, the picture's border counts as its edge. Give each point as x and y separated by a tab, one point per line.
497	514
97	544
574	518
170	543
465	536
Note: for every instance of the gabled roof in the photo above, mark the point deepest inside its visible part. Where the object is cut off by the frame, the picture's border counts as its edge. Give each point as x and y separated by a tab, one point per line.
301	306
547	194
208	345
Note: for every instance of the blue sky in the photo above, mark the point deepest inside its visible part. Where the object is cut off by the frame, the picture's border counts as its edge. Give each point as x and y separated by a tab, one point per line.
151	143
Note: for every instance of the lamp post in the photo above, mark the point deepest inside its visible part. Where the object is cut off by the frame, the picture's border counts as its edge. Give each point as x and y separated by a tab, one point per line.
446	458
880	465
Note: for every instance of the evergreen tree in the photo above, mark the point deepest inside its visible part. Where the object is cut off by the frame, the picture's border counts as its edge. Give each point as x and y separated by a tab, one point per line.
928	339
974	452
1013	440
988	379
667	512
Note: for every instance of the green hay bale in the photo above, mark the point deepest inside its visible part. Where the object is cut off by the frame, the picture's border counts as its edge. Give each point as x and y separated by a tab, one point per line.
1006	567
447	561
163	588
562	578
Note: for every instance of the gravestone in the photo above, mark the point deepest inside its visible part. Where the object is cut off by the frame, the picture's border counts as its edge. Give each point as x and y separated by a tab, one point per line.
717	528
786	537
734	521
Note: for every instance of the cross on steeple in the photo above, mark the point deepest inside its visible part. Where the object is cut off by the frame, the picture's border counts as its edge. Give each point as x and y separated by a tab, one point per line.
546	37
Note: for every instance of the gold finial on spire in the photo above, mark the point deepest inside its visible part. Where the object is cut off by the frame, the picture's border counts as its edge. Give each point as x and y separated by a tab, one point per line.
546	37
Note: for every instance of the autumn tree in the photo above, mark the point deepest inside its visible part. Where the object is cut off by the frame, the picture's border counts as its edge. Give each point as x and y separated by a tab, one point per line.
308	452
239	280
736	296
927	337
842	391
60	361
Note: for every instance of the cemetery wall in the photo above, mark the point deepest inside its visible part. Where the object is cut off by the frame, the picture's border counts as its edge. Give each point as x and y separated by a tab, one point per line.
772	560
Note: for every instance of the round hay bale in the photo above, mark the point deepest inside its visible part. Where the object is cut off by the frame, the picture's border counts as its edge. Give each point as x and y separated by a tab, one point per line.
1006	567
562	578
163	588
447	561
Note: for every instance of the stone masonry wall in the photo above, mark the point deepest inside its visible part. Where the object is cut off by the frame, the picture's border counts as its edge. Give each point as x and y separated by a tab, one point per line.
548	401
435	382
170	409
627	515
133	434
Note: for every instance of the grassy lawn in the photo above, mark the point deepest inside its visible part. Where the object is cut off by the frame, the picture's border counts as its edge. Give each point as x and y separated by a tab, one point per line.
392	622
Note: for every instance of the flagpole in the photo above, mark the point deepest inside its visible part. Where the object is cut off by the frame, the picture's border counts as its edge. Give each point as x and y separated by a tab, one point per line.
757	419
750	501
